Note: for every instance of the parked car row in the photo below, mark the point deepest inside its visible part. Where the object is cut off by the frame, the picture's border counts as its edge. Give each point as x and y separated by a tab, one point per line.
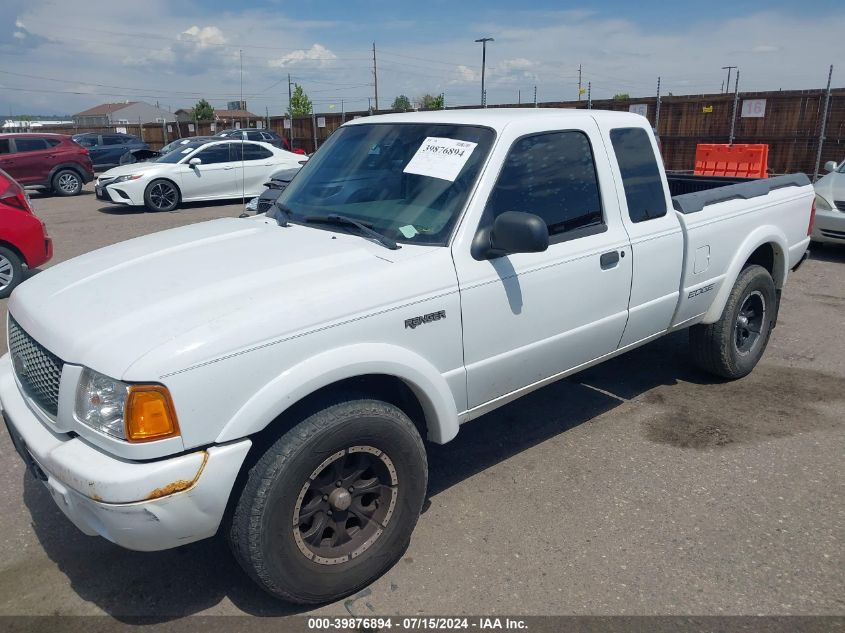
197	170
52	162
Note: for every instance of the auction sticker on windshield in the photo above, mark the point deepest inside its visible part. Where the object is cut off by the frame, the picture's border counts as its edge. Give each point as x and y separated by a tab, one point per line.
440	158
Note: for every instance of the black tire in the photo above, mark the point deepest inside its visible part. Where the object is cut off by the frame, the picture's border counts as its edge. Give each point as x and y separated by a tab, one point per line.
66	182
289	476
162	195
11	271
732	346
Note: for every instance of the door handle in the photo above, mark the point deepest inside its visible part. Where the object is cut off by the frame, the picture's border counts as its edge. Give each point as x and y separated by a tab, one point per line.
229	167
609	260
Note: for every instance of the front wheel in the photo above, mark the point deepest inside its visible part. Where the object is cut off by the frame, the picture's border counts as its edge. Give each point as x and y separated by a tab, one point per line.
331	505
161	195
732	346
11	271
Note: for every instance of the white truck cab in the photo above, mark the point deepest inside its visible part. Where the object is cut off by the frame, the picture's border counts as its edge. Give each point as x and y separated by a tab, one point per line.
276	375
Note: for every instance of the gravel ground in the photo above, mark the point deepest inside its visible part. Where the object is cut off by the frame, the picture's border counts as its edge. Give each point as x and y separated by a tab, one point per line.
637	487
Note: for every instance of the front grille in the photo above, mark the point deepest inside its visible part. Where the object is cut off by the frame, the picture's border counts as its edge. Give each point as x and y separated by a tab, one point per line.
263	205
103	181
840	204
38	370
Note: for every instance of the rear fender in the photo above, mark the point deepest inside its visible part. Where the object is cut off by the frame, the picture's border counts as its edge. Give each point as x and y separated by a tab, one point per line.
762	235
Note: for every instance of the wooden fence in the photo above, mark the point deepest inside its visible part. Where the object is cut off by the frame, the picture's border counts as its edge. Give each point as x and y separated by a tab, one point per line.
791	126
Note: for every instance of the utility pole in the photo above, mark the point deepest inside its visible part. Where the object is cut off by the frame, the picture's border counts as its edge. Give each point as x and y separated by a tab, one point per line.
241	54
579	82
484	41
736	102
290	98
657	108
728	85
589	95
375	75
290	113
535	96
824	124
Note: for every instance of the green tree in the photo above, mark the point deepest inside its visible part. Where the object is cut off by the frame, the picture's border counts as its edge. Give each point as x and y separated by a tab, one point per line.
203	111
430	102
401	103
300	104
621	96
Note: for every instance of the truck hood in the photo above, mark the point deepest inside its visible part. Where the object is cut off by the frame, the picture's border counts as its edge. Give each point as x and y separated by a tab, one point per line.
209	289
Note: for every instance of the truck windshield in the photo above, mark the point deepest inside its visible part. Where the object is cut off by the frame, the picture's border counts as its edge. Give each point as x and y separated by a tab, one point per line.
408	181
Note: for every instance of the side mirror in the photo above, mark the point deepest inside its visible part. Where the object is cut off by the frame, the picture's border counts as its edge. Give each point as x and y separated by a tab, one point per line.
195	161
512	232
830	165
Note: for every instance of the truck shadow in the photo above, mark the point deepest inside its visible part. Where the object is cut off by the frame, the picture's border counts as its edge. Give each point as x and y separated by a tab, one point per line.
172	584
119	209
559	407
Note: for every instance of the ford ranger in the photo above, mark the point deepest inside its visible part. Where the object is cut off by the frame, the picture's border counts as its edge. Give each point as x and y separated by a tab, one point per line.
273	378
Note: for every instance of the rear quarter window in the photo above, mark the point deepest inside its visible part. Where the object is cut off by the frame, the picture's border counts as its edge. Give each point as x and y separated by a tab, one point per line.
640	174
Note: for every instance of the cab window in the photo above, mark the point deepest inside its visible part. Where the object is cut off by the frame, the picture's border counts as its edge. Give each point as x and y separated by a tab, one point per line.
552	175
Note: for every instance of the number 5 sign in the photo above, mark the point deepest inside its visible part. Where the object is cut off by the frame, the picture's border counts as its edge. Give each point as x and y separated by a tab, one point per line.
754	108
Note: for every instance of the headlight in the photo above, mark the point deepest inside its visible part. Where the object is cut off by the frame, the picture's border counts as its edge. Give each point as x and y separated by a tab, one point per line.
822	204
124	179
137	413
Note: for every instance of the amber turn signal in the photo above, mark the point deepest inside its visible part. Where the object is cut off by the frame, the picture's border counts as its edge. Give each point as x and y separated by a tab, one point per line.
150	414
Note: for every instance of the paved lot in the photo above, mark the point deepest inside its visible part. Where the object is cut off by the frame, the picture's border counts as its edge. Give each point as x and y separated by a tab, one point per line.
637	487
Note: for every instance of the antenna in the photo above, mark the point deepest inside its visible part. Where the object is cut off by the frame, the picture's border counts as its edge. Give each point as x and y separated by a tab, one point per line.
243	135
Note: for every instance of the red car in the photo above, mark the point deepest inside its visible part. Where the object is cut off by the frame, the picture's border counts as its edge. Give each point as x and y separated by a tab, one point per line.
23	236
51	161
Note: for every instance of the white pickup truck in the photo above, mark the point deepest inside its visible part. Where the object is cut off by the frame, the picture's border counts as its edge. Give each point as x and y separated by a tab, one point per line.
273	377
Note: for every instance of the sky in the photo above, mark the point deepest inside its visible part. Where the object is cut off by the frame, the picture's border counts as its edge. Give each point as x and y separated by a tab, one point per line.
61	57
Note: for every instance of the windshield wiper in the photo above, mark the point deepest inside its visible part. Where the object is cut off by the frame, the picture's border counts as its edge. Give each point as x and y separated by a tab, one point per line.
280	213
335	218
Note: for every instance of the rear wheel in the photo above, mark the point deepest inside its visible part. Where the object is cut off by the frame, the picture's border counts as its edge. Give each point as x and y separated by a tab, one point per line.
161	195
11	271
732	346
331	505
66	182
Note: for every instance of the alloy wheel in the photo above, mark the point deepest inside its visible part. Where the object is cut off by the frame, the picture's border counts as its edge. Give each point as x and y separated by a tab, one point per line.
345	505
749	322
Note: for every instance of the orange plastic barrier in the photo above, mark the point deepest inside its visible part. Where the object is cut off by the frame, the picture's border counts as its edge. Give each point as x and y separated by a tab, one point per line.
742	161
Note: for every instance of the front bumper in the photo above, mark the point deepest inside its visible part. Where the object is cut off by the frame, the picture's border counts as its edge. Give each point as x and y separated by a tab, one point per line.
829	226
146	506
120	193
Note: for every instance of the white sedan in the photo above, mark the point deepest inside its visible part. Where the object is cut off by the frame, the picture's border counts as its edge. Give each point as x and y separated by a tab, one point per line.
200	170
830	206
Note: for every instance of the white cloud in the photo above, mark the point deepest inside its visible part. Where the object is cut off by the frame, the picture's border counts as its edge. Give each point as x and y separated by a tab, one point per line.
319	53
465	73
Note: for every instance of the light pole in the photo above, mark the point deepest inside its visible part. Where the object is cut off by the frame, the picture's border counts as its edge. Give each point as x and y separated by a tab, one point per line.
484	41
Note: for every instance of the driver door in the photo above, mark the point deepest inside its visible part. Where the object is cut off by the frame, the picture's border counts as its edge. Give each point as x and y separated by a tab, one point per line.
218	176
531	316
